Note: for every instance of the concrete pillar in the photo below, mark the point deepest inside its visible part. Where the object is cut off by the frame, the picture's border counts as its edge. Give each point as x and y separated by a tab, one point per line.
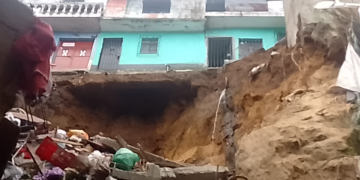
291	20
309	15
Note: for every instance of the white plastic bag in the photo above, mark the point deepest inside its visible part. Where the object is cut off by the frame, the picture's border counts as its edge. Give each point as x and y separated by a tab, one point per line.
61	134
95	157
12	173
349	75
11	118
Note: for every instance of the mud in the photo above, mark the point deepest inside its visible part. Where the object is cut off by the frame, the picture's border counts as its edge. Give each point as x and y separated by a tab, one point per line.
172	114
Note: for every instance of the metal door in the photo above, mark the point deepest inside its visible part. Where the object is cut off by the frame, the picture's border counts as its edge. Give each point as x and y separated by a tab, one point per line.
219	49
73	56
248	46
110	54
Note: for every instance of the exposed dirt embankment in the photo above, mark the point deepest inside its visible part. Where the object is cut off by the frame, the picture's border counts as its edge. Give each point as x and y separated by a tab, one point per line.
303	136
141	108
172	114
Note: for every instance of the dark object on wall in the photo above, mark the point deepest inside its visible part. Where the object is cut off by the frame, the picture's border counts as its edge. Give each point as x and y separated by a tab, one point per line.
215	6
236	5
156	6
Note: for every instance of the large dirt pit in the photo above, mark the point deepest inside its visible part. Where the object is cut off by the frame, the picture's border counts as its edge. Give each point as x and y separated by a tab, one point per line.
172	114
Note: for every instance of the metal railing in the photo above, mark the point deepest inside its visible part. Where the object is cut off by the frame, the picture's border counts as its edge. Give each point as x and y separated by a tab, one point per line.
72	9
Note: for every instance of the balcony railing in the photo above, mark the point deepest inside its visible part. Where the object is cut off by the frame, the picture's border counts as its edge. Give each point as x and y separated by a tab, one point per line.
67	9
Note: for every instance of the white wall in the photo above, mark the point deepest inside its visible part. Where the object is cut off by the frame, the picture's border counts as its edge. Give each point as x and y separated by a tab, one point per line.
309	15
275	6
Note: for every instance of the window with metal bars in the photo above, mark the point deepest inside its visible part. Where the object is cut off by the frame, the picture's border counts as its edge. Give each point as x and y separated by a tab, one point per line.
248	46
219	49
149	46
156	6
215	6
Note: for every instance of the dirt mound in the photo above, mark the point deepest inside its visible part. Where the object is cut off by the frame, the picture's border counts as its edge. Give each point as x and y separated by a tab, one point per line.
302	136
296	139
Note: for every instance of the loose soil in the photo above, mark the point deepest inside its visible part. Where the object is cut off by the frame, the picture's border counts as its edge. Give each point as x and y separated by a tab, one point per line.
172	114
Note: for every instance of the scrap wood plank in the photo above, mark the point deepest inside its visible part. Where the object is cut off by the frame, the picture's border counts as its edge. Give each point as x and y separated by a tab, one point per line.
150	156
67	142
106	141
121	141
142	152
43	136
100	146
24	117
32	150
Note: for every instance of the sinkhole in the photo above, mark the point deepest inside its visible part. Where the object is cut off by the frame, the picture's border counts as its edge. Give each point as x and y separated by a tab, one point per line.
136	98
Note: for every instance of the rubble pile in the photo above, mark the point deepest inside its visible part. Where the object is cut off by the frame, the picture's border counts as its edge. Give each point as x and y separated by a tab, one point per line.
273	115
58	154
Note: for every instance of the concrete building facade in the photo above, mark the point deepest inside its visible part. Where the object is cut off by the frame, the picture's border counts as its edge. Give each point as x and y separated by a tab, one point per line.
143	35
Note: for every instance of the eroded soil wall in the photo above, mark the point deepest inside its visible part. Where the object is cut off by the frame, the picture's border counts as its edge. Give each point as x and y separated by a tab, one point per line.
172	114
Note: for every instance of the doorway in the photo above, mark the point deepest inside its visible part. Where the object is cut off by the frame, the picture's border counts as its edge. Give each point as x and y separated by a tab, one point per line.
73	54
110	54
219	49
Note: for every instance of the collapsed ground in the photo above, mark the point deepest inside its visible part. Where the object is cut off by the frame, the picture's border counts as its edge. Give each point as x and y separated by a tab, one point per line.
304	136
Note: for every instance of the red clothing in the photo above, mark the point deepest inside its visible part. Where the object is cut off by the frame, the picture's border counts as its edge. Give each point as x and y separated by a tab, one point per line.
27	154
34	50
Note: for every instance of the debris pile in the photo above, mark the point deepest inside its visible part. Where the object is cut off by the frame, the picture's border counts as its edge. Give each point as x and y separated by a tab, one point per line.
72	154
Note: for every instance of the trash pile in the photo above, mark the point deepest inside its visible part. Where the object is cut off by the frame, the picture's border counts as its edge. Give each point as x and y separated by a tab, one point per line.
43	154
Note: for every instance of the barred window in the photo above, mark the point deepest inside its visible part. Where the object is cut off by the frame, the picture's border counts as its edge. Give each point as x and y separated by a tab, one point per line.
149	45
249	46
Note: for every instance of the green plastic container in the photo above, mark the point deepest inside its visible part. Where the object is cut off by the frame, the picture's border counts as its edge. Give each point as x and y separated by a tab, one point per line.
125	159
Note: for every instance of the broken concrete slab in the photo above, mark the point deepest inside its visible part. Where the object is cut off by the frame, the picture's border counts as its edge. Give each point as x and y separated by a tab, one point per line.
183	173
153	170
167	173
131	175
198	172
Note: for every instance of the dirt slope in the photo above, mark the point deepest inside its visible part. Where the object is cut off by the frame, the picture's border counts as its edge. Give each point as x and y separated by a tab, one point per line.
295	139
276	139
302	139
